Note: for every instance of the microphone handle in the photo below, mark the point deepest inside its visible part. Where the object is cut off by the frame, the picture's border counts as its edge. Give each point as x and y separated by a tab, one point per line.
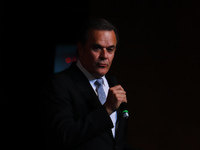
124	110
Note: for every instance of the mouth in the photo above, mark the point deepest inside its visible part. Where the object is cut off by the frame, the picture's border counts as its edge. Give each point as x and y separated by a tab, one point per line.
102	65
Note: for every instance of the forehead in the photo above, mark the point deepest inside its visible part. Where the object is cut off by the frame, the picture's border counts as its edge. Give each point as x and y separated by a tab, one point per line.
102	37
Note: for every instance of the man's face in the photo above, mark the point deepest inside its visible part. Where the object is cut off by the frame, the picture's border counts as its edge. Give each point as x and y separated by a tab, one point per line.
98	52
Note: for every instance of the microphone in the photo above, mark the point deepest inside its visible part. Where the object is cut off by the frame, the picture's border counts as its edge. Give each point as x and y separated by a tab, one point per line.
123	106
124	110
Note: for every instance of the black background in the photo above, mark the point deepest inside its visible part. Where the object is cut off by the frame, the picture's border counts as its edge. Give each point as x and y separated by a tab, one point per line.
157	63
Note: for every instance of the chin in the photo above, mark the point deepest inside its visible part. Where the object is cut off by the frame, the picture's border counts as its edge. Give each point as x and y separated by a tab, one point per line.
100	74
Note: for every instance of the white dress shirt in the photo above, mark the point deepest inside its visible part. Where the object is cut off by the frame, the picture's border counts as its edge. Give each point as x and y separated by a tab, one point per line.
92	80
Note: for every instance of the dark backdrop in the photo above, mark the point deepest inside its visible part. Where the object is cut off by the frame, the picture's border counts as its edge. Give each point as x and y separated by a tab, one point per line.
157	63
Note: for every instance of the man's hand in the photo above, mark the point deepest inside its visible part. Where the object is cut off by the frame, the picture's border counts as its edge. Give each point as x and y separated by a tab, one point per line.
116	96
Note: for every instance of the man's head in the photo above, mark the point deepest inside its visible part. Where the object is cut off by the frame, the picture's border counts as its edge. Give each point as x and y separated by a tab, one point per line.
97	47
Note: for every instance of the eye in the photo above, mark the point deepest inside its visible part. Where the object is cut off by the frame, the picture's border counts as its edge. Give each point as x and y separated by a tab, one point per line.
110	49
96	48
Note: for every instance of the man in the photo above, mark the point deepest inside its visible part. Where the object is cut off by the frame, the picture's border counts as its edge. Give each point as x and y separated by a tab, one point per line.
77	114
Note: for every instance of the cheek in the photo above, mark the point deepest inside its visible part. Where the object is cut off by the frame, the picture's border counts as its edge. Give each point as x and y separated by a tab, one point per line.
91	61
90	57
94	57
111	59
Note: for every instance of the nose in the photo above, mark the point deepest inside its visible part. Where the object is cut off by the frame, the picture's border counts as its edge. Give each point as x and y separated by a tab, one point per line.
104	54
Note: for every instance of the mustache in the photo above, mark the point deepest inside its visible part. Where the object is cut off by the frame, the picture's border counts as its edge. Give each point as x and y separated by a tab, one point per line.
102	62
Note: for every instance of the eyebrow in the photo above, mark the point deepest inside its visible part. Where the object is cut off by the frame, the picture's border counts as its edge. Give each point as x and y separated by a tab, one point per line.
97	45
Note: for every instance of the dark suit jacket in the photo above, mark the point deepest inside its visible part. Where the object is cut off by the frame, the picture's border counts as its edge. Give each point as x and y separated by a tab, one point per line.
73	116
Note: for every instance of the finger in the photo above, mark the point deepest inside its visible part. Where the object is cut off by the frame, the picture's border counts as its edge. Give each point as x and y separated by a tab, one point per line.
121	97
119	87
119	92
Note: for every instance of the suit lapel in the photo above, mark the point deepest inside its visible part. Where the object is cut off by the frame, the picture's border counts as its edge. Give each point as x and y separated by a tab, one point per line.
84	86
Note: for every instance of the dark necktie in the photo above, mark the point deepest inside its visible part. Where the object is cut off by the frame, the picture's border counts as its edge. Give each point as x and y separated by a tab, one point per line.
100	91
